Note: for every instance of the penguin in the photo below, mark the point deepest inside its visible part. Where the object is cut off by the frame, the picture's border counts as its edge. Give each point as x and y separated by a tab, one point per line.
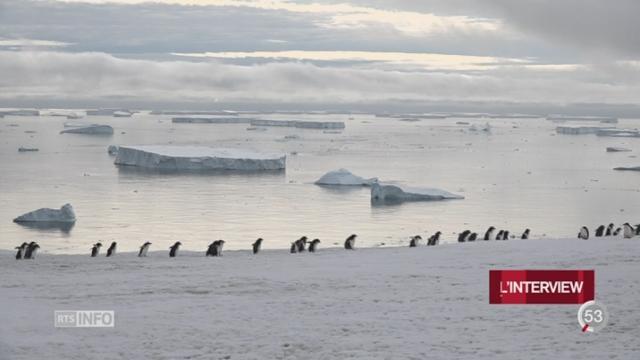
584	233
472	237
350	242
301	243
144	249
600	231
434	239
488	235
499	236
21	250
256	245
415	240
638	229
525	234
31	251
211	250
112	249
217	247
505	235
95	250
617	231
609	229
173	250
462	237
313	245
628	231
294	248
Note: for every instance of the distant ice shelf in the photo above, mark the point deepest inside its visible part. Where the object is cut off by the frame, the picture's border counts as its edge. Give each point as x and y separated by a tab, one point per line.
173	157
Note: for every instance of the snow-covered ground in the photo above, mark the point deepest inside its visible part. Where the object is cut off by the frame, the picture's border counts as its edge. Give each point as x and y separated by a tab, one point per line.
375	303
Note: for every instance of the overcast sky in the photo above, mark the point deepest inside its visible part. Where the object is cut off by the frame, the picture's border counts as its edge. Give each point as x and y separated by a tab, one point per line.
319	52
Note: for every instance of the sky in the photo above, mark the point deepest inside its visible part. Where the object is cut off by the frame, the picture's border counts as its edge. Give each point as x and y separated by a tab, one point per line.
359	54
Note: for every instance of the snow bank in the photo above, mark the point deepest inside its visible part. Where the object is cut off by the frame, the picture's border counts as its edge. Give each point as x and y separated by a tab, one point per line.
386	193
197	158
63	215
300	124
89	130
344	177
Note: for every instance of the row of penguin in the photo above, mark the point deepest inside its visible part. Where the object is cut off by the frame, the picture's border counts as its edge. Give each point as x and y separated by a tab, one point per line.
29	250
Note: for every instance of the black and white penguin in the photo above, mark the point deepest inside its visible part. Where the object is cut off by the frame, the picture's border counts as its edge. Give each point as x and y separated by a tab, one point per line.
21	250
301	244
638	229
610	230
617	231
294	248
31	251
313	245
488	235
628	231
211	250
415	240
144	249
95	250
600	231
505	235
257	245
434	239
217	247
584	233
525	234
472	237
173	250
462	237
499	236
350	242
112	249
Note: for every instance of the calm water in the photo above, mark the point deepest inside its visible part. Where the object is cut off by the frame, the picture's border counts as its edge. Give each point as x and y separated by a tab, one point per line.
521	175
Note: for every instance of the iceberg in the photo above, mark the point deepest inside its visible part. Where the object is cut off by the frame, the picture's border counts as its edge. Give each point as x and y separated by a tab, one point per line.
112	150
173	157
632	168
617	149
618	132
579	130
89	130
344	177
300	124
63	215
210	120
386	193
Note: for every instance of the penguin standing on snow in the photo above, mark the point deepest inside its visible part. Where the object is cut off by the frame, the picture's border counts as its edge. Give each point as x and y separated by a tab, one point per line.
21	250
256	245
505	235
600	231
313	245
31	251
584	233
173	250
488	235
628	231
215	249
499	236
472	237
609	230
350	242
617	231
112	249
294	248
144	249
301	244
638	229
462	237
525	235
95	250
415	240
434	239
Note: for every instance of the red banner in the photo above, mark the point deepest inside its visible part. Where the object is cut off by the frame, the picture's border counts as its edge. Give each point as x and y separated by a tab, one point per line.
541	286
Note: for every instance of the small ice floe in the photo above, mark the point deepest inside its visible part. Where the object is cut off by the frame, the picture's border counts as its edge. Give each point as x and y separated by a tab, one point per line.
256	128
625	133
579	130
332	132
112	150
26	149
122	113
345	178
63	215
617	149
89	130
632	168
462	123
476	128
386	193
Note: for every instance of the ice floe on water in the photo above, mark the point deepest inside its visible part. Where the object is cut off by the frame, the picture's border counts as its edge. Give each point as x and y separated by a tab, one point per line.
63	215
617	149
95	129
173	157
628	168
344	177
388	193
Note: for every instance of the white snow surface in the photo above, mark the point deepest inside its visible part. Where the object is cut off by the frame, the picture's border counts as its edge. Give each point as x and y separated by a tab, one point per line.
376	303
63	215
174	157
382	192
344	177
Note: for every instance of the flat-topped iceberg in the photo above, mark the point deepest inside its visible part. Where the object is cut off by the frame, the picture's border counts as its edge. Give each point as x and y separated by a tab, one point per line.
300	124
619	132
172	157
579	130
386	193
617	149
89	130
63	215
626	168
344	177
211	120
